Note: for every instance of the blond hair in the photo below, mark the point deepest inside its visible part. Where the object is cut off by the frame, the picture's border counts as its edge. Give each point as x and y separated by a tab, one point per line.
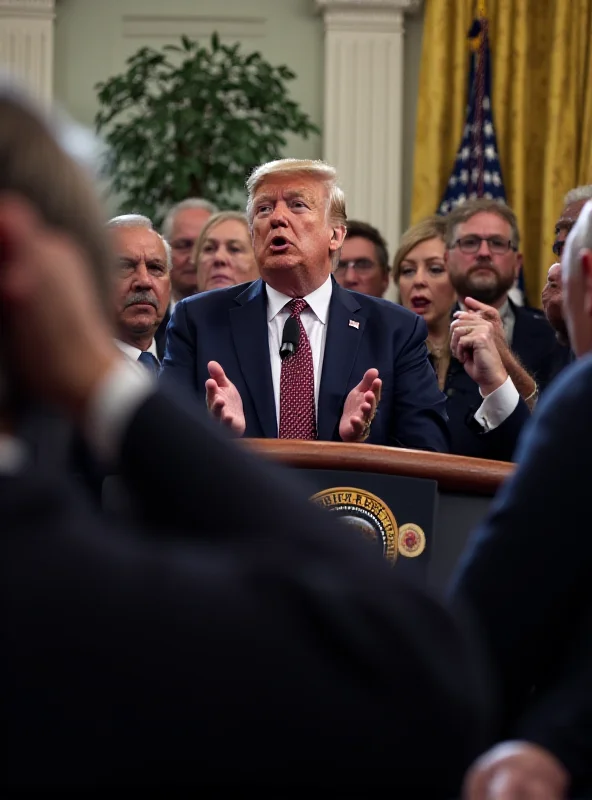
216	219
319	170
433	227
481	205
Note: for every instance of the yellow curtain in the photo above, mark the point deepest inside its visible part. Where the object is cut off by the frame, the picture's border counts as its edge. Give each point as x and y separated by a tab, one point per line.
541	60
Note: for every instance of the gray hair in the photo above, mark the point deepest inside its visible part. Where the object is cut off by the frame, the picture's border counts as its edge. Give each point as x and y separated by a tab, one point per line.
319	170
190	202
140	221
579	238
577	194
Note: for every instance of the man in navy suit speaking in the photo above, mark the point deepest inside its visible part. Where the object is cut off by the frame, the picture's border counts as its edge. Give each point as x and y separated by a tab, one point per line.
293	355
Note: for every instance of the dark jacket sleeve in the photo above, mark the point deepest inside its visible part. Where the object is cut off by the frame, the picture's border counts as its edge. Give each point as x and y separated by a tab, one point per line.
560	717
329	639
418	415
179	362
526	570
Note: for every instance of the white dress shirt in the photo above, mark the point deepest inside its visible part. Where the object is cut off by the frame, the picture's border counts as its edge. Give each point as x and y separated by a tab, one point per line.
133	352
314	318
497	406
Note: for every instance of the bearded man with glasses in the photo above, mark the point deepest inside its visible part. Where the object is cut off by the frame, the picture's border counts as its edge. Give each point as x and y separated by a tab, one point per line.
484	259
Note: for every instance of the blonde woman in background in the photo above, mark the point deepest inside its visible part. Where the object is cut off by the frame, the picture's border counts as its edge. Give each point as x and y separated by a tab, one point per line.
424	286
223	254
480	424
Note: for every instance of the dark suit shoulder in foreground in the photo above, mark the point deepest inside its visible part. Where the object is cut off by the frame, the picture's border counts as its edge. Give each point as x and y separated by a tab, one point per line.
526	571
242	639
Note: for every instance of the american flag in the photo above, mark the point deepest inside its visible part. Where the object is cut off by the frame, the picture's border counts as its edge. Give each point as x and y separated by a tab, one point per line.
477	171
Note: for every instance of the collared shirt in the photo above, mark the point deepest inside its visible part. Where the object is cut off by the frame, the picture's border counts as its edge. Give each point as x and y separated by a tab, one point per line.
497	406
508	319
314	319
133	352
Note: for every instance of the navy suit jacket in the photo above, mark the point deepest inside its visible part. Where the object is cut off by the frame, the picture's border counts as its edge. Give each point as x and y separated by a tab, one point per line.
230	326
526	575
535	344
467	437
160	335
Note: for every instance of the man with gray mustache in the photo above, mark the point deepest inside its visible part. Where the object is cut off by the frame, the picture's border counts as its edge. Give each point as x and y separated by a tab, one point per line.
142	286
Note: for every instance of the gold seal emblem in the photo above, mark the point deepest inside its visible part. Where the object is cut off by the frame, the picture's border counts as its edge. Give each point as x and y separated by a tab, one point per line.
412	540
366	512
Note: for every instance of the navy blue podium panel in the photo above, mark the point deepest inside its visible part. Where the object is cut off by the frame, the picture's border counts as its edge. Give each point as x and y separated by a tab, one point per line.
394	513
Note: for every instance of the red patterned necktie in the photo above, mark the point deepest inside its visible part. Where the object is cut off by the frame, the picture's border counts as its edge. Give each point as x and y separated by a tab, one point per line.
297	399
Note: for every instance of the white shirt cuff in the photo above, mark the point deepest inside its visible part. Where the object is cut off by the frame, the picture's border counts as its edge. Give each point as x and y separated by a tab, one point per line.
118	397
497	406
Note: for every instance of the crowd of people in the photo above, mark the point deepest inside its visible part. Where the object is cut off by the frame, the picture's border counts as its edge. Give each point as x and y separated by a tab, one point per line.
224	632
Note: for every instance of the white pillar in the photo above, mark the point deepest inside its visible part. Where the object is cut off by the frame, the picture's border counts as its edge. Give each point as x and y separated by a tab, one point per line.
363	110
26	43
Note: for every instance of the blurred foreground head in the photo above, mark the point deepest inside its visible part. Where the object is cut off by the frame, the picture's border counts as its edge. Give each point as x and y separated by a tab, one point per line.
49	161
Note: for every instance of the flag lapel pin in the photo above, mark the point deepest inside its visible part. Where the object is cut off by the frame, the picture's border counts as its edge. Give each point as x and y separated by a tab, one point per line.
354	324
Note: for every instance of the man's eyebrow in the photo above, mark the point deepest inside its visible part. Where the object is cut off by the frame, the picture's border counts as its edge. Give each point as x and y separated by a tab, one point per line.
293	193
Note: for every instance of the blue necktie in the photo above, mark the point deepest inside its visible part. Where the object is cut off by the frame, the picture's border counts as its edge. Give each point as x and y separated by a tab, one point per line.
149	362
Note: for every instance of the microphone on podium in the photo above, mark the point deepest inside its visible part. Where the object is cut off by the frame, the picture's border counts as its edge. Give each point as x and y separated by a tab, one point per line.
290	338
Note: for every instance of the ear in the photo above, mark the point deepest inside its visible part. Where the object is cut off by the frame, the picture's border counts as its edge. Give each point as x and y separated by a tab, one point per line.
586	268
337	237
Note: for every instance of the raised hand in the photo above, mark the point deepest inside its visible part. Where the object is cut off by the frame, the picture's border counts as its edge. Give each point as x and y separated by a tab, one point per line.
360	408
474	344
488	313
223	400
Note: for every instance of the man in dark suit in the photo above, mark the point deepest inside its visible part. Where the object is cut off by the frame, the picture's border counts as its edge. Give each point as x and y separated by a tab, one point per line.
484	260
351	350
142	286
235	636
526	574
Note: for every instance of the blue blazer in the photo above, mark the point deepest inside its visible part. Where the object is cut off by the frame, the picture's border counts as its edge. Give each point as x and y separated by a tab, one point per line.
230	326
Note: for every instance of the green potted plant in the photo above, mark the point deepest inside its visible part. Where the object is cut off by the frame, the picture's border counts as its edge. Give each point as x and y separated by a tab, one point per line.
193	120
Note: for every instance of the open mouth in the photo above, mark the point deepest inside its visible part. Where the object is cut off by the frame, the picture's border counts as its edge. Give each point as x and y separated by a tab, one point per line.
419	304
279	244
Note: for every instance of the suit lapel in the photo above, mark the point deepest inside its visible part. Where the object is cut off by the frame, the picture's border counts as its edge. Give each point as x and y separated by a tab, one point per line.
248	323
341	348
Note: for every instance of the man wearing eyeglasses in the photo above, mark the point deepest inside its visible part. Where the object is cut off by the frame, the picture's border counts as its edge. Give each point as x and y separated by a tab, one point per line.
363	265
484	259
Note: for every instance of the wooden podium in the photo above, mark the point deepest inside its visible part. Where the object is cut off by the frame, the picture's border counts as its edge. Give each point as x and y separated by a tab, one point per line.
463	487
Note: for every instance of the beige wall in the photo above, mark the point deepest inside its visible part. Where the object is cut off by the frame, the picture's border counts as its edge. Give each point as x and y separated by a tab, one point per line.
94	37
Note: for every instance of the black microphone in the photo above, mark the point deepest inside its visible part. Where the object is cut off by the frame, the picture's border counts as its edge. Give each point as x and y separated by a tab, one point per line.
290	338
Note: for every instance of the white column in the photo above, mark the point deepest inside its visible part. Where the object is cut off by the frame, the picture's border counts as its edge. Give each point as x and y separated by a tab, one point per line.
26	43
362	127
